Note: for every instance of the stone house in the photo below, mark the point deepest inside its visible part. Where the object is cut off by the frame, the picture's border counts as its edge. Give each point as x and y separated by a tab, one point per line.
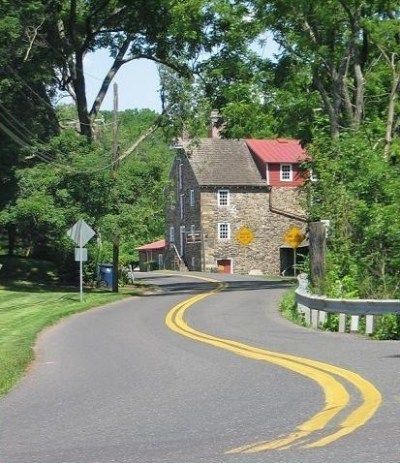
219	187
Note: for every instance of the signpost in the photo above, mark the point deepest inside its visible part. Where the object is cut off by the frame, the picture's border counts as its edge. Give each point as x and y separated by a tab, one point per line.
293	238
81	233
245	236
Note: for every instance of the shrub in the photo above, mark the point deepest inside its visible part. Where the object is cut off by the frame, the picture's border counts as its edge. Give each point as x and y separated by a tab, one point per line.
288	308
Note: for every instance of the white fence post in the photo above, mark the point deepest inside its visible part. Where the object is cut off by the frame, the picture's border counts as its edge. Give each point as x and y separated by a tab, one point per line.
342	323
315	308
354	323
369	324
314	318
306	312
322	317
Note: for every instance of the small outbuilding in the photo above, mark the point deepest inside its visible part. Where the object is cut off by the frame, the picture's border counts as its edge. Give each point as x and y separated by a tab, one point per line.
151	256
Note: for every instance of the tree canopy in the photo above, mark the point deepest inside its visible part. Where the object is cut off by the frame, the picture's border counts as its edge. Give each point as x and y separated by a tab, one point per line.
333	84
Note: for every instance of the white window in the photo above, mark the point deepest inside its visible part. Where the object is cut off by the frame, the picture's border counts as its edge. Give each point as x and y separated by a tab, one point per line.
180	177
191	198
286	173
223	198
182	205
182	238
171	234
193	262
224	231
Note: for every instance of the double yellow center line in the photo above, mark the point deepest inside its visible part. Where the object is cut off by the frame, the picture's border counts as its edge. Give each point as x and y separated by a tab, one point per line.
309	433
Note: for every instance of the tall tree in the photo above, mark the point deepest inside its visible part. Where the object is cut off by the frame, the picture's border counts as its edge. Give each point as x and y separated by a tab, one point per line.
26	113
170	32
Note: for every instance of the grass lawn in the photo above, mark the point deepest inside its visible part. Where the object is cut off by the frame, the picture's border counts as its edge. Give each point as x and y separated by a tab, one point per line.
26	309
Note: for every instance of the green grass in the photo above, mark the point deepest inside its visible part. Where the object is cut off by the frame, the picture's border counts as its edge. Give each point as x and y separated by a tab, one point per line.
26	309
288	308
22	269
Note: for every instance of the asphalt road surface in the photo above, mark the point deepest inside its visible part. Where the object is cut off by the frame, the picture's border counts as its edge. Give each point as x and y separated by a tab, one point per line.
118	384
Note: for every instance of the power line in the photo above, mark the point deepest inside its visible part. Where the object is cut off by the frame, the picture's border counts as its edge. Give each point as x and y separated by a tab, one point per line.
77	67
25	138
29	87
17	131
22	143
118	159
44	101
17	121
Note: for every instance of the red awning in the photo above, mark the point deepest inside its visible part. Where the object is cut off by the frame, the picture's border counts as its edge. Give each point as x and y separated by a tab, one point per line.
160	244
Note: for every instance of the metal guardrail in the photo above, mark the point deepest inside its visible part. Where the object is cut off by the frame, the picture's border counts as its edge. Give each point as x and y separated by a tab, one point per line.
315	308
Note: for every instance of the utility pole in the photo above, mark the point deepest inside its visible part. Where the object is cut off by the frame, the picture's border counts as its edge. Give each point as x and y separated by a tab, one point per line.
115	166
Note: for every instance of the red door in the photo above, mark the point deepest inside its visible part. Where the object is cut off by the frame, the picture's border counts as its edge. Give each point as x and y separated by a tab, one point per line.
224	266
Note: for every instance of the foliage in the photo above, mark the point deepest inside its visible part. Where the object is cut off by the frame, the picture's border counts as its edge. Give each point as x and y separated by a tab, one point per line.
169	32
387	327
357	191
288	308
78	183
17	270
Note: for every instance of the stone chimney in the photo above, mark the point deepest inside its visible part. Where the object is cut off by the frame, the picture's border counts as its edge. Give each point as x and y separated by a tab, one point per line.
215	124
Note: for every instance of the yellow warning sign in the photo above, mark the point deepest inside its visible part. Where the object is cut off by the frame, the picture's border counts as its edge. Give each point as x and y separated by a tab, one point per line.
294	237
245	236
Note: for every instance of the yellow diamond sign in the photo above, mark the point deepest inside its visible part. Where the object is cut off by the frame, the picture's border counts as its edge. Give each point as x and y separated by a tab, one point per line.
294	237
245	236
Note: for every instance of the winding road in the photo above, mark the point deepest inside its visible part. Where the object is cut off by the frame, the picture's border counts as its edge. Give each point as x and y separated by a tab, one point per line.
206	370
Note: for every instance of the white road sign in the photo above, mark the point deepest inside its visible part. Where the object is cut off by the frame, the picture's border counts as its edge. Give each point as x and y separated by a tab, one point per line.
81	233
80	254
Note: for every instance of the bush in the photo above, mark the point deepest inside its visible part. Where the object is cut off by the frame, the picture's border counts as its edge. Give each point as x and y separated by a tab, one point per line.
288	308
387	327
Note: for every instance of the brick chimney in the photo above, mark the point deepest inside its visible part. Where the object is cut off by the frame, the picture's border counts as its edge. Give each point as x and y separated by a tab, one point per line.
215	124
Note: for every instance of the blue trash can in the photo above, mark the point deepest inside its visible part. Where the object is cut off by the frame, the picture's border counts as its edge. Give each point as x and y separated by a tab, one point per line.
106	274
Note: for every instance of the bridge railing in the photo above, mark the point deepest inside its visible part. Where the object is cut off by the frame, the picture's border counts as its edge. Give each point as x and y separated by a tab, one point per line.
315	308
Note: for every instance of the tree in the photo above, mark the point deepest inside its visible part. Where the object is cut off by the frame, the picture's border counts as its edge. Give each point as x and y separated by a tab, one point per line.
384	32
358	192
78	184
26	113
165	31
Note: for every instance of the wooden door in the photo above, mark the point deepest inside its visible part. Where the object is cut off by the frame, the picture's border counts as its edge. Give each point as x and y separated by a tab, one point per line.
224	266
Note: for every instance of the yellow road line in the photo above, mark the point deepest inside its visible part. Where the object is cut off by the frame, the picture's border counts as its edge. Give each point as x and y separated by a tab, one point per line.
336	397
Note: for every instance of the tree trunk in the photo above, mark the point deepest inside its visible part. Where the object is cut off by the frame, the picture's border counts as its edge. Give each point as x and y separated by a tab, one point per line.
12	235
118	62
317	239
79	84
115	266
359	98
337	101
391	112
329	107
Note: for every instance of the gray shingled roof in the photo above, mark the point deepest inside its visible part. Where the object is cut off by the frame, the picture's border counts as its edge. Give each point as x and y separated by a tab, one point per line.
222	162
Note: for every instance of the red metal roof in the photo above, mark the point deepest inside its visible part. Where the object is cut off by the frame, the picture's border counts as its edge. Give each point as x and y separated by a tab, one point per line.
278	150
160	244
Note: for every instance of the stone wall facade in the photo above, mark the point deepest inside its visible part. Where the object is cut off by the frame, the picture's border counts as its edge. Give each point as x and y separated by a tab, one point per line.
289	199
248	207
183	214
